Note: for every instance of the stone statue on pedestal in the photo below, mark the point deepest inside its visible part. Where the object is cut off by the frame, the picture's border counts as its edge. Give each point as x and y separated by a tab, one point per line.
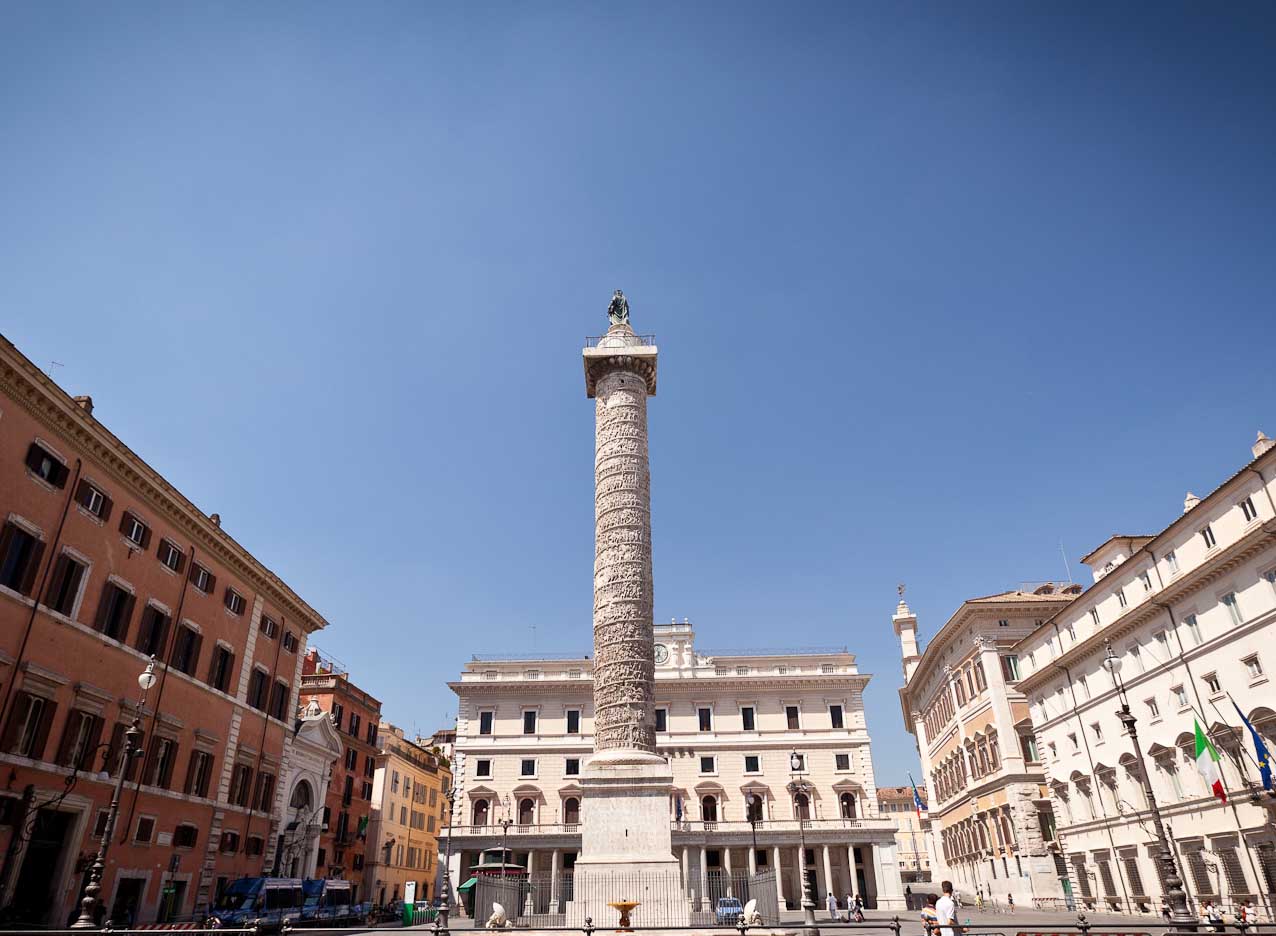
618	310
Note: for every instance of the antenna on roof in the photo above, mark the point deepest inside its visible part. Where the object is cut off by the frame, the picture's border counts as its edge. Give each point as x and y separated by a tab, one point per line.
1066	569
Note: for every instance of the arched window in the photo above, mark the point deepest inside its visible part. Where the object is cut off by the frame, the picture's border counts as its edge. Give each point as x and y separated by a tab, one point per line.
802	806
571	810
709	809
526	811
847	803
754	808
480	812
301	797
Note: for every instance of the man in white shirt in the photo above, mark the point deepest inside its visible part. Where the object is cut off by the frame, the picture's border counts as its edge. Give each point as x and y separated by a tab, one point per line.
946	910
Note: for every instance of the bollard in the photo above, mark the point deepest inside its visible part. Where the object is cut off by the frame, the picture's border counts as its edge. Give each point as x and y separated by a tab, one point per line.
588	928
895	924
741	925
1083	924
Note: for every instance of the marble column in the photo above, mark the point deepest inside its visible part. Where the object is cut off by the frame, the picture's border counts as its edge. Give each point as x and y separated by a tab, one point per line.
726	868
753	861
779	875
624	639
704	867
850	867
626	784
528	905
829	886
553	880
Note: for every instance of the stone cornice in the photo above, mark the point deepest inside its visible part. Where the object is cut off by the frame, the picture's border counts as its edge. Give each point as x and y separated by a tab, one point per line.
938	810
665	688
1185	586
49	404
947	634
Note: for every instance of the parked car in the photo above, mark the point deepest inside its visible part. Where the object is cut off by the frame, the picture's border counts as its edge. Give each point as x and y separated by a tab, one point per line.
728	911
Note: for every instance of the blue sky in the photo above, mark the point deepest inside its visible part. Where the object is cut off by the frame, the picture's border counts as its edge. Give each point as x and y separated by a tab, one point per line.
937	288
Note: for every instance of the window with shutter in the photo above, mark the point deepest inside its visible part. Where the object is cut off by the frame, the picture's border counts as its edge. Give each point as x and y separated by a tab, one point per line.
279	700
134	530
45	466
29	721
20	554
223	663
234	601
198	772
171	556
257	690
186	645
201	578
93	500
114	612
80	739
64	585
185	836
1133	875
153	634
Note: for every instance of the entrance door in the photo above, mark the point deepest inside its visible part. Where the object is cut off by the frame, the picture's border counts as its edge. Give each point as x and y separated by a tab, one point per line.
171	899
128	901
33	895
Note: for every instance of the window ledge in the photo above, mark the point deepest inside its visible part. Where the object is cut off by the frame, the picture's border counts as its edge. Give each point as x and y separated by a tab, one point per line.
88	514
1156	721
1258	681
40	481
1217	696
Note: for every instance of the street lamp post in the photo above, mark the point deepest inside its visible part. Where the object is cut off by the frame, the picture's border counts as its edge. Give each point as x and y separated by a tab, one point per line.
799	786
505	831
1181	918
445	905
132	747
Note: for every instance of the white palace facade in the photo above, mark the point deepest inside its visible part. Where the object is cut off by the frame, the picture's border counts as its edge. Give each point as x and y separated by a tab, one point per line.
1190	612
728	723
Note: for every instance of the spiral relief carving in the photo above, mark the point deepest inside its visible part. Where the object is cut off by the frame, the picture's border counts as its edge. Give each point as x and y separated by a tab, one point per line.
624	667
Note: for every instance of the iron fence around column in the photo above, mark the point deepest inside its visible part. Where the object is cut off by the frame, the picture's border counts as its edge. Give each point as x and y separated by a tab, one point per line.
661	899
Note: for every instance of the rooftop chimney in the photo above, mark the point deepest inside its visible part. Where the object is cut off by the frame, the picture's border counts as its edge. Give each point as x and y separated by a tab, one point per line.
86	403
1190	501
217	520
1261	445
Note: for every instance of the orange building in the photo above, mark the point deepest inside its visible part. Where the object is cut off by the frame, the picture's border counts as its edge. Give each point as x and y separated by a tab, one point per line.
343	839
104	564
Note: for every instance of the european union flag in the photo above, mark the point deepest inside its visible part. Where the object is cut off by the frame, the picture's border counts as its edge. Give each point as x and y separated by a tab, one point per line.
1261	754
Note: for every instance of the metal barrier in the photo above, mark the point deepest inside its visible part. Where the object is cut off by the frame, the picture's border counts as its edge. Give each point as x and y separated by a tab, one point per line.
662	899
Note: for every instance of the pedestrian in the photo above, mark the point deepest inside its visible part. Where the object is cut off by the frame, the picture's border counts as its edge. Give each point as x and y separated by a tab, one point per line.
930	917
1214	916
946	909
1246	915
858	913
850	907
979	898
1010	902
1165	910
831	903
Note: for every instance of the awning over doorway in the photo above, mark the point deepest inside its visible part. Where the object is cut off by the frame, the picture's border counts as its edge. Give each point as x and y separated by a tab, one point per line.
468	884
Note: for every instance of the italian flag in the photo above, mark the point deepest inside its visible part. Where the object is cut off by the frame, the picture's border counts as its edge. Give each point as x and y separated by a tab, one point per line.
1207	763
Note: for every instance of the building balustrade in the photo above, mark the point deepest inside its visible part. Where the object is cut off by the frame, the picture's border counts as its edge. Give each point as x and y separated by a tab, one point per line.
719	827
